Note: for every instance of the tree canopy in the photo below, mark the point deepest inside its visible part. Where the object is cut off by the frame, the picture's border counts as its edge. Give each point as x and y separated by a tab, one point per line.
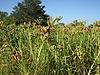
3	15
29	11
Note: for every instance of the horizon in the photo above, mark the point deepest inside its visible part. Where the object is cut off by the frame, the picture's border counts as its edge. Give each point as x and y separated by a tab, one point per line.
70	10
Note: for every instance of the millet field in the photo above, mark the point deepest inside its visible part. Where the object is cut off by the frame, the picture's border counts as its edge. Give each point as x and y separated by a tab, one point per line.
56	49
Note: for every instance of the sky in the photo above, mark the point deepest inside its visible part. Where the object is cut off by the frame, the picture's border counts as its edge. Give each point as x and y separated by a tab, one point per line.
70	10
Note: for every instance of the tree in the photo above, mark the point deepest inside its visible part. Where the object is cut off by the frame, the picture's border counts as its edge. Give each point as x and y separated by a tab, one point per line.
3	15
29	11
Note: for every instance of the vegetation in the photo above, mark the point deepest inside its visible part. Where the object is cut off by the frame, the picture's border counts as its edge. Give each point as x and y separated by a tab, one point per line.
31	43
57	49
26	11
3	15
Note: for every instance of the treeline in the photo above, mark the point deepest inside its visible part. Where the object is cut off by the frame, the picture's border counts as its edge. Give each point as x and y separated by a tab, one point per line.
26	11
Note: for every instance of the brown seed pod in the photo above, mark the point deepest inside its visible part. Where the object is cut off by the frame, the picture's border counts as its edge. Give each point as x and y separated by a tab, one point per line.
29	61
45	29
4	45
15	57
63	29
61	47
98	25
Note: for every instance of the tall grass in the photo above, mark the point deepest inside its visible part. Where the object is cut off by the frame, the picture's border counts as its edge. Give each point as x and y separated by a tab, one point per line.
53	50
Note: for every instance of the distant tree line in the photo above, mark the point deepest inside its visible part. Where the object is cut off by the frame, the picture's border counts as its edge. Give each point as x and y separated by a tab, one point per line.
3	15
26	11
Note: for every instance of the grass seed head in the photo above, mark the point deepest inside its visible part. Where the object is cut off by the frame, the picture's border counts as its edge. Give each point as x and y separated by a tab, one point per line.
29	61
15	57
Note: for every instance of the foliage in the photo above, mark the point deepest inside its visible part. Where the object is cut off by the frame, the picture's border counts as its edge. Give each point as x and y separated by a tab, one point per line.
52	50
29	11
3	15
